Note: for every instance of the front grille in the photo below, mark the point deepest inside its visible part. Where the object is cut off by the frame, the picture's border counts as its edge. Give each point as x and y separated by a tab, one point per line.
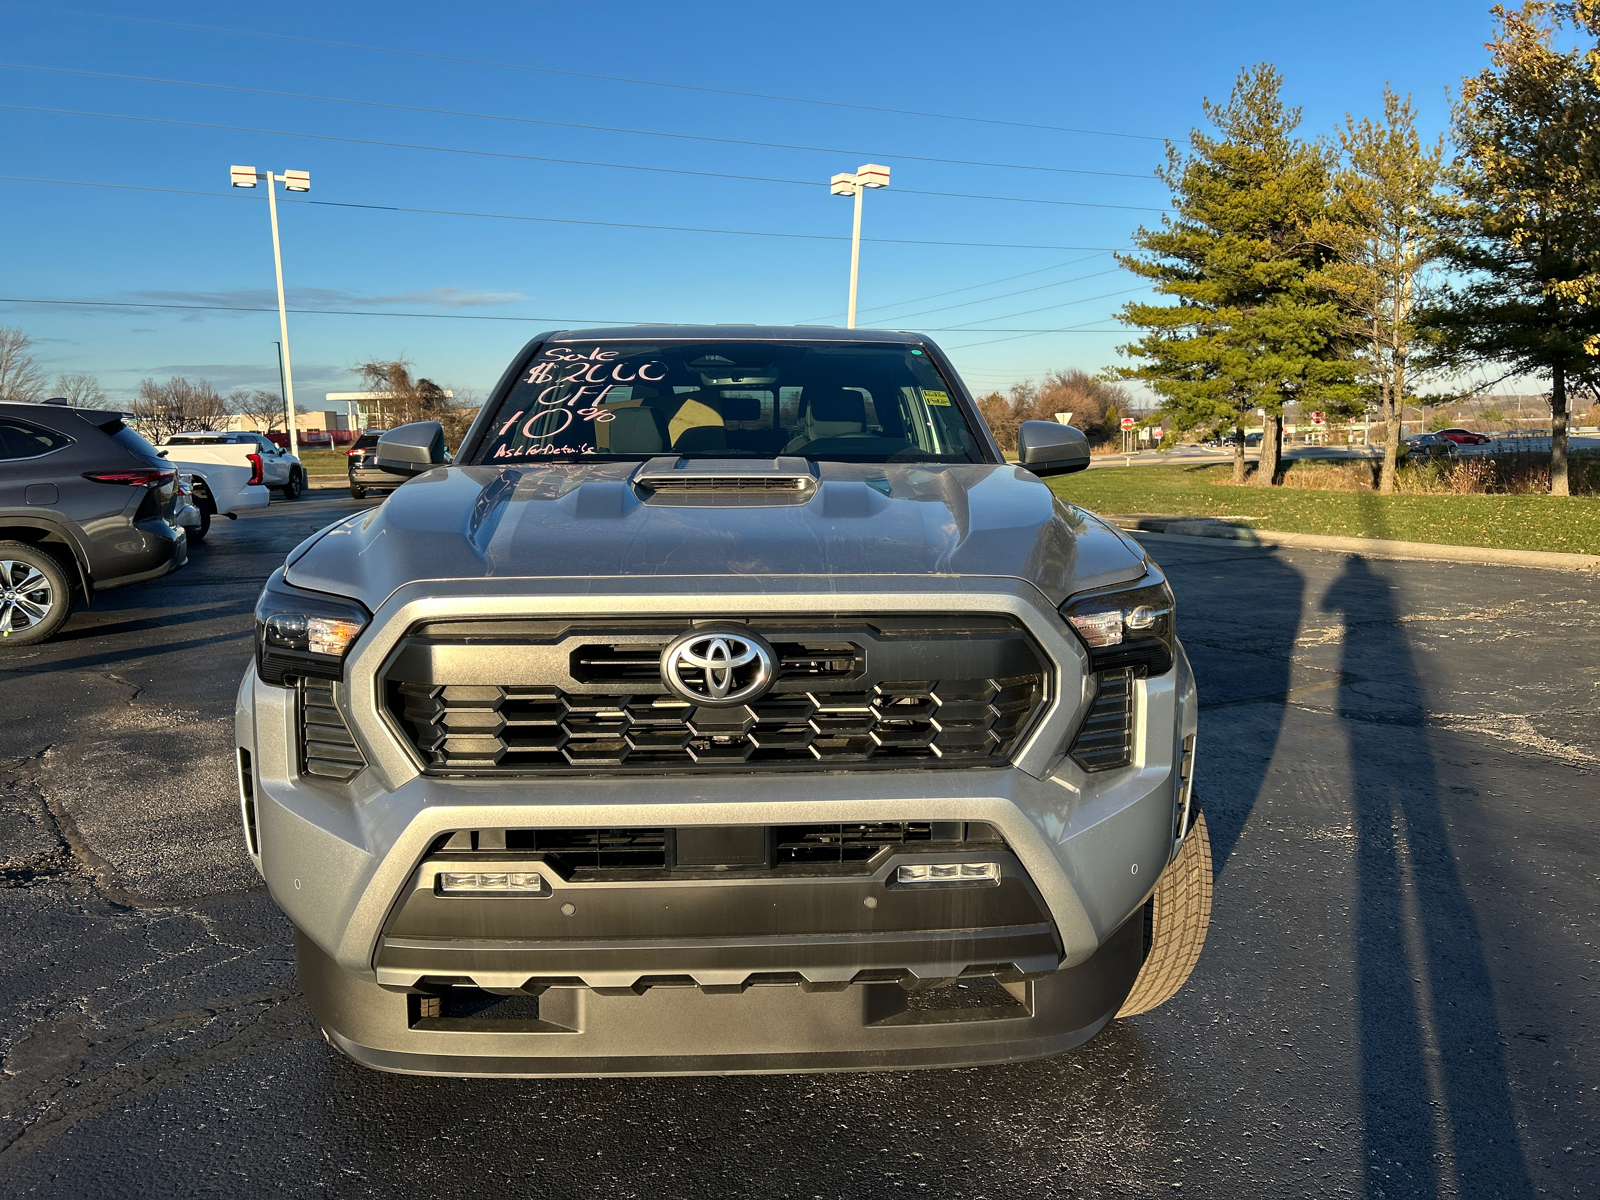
580	853
591	699
573	850
1105	740
861	842
326	748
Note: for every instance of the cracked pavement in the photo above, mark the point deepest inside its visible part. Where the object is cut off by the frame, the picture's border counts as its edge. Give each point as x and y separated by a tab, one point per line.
1400	763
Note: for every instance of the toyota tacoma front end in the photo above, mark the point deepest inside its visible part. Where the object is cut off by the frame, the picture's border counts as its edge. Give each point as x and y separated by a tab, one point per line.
730	704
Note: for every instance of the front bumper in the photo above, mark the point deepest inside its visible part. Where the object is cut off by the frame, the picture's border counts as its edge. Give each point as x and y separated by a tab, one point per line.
340	859
687	1031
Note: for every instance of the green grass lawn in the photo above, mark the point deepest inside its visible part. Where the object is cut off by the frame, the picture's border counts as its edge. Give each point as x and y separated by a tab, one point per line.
1569	524
324	462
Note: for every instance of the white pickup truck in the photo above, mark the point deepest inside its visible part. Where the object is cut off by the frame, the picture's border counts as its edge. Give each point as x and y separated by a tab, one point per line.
274	466
230	471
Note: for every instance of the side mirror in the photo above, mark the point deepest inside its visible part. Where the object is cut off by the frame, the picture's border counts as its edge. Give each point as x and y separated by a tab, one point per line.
412	449
1049	448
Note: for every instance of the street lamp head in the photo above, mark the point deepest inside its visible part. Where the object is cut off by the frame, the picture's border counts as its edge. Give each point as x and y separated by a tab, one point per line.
242	176
843	184
297	181
873	175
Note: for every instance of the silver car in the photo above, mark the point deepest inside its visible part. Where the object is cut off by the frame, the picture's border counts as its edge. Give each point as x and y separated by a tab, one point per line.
730	704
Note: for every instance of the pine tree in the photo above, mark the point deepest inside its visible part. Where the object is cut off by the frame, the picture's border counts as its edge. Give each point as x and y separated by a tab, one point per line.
1251	324
1525	234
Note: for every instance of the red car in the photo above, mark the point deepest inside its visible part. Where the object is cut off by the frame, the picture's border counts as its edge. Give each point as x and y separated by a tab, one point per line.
1464	437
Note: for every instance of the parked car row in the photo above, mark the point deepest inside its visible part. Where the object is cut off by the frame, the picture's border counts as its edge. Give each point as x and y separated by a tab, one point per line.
87	504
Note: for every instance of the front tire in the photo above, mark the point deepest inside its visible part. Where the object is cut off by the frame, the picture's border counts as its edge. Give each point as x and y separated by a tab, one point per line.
1179	915
35	595
292	489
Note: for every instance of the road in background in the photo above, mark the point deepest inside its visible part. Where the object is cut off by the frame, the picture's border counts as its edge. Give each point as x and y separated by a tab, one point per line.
1398	762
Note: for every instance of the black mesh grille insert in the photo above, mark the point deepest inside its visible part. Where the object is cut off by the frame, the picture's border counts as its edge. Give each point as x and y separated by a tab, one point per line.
1105	739
579	851
327	750
543	696
850	843
594	849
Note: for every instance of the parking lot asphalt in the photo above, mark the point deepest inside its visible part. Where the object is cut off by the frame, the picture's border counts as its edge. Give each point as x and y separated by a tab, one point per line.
1400	763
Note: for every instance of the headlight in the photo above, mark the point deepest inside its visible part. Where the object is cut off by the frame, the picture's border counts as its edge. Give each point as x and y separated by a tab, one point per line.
1127	626
304	633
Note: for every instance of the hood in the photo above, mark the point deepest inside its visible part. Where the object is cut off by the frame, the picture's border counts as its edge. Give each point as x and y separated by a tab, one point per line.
589	522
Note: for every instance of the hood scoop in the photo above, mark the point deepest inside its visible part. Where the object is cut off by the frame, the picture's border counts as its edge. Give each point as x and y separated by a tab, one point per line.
725	482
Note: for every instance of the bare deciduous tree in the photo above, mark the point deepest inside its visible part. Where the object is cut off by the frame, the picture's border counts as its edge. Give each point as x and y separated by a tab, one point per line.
82	391
1384	229
163	409
262	408
20	377
408	398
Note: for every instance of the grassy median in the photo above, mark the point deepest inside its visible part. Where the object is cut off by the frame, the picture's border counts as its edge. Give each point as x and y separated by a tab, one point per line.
1567	524
325	462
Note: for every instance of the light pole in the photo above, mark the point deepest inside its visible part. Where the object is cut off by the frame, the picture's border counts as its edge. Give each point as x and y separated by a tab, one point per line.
293	181
871	175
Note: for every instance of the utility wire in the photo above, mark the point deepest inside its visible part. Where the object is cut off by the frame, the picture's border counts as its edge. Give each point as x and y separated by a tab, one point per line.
578	162
686	87
1019	334
693	137
1006	295
972	286
351	312
1048	307
448	212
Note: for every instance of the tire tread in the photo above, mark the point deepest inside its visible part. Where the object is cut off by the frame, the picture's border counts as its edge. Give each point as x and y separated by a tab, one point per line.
1181	915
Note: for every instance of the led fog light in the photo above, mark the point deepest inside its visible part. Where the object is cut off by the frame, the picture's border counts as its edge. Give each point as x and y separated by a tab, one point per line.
971	872
490	883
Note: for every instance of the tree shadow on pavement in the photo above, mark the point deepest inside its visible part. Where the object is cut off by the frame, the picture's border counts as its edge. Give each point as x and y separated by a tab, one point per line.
1437	1111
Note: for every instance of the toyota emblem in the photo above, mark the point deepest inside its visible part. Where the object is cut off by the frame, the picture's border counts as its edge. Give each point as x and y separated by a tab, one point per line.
718	667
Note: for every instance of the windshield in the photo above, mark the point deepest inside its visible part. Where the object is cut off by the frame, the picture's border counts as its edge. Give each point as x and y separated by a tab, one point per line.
852	403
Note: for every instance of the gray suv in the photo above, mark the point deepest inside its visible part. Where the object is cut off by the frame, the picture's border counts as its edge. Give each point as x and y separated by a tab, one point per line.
86	504
729	704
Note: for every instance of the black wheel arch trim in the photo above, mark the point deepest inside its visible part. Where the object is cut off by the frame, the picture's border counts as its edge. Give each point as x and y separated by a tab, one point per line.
58	533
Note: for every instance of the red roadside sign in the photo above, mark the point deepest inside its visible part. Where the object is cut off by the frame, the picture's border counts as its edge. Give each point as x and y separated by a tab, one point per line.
1318	418
1127	422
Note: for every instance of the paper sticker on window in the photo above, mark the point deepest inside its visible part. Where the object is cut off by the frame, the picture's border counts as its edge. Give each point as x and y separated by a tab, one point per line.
942	399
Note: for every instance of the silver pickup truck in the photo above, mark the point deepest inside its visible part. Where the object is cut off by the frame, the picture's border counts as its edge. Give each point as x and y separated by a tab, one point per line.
729	704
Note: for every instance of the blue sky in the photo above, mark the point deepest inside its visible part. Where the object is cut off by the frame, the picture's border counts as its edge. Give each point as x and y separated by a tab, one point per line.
1138	70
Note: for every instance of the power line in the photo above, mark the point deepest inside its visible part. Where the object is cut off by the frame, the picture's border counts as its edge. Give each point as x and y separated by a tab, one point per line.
1006	295
330	137
351	312
694	137
337	312
447	212
577	162
986	283
687	87
1049	307
1027	333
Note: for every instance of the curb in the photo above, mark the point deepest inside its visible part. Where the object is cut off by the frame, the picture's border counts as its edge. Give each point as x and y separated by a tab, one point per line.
1203	527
